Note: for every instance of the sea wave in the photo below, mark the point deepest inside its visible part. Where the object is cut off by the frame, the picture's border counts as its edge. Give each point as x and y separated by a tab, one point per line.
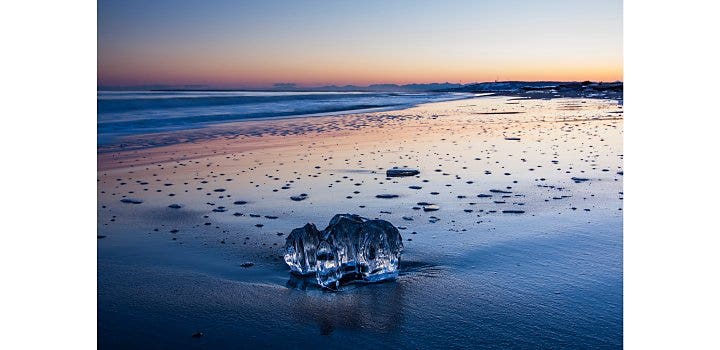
123	113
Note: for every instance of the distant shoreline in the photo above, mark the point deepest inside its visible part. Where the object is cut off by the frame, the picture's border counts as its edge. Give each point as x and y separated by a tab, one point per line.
496	86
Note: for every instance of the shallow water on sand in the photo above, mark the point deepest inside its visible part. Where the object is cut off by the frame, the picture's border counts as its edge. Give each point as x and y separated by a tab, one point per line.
549	276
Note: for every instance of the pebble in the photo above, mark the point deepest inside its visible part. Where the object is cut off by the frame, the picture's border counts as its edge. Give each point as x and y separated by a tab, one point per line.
301	197
431	207
131	200
395	172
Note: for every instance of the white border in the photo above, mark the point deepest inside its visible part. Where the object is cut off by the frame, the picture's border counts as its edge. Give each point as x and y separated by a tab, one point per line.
48	248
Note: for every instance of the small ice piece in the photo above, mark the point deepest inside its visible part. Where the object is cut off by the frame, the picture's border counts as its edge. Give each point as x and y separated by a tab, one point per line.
351	248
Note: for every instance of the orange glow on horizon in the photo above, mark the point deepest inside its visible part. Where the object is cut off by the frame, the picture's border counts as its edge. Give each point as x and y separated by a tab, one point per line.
310	43
319	75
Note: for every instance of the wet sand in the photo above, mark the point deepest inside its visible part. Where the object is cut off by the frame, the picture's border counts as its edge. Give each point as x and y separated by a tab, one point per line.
523	247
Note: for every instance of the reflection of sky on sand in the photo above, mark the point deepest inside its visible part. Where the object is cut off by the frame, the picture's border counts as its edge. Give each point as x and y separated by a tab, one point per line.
552	275
377	309
471	158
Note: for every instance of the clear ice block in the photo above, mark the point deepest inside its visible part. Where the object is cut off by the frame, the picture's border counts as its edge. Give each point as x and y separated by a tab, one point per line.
351	248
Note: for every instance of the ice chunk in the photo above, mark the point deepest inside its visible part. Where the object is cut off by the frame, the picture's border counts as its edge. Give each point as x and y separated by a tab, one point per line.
300	249
351	248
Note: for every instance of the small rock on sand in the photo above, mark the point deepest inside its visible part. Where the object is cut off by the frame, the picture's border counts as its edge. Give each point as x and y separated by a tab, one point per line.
301	197
395	172
131	200
431	207
386	196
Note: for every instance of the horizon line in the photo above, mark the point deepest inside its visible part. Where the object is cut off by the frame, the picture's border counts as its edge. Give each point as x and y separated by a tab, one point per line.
295	86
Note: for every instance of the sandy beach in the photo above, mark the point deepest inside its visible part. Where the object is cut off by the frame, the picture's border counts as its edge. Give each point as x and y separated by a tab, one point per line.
525	250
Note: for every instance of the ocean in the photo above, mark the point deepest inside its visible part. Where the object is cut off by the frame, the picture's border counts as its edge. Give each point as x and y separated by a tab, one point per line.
122	113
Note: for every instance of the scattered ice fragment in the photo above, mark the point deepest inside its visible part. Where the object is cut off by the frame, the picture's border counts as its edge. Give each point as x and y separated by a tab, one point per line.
395	172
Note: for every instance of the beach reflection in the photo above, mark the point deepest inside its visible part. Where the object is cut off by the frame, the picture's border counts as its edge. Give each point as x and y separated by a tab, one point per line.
369	307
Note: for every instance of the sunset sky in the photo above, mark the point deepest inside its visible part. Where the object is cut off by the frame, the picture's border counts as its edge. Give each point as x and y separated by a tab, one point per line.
258	43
